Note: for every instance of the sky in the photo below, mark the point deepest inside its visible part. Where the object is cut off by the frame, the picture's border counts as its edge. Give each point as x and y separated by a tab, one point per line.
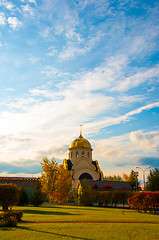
92	62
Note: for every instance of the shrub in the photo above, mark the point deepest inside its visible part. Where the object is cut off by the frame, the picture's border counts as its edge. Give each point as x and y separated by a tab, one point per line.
144	201
16	214
10	221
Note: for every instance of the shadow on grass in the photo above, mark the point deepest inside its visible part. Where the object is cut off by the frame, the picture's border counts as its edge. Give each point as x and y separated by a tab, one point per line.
54	234
7	228
72	207
29	211
60	207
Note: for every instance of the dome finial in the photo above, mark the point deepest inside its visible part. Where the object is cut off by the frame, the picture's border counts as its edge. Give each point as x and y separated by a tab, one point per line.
81	130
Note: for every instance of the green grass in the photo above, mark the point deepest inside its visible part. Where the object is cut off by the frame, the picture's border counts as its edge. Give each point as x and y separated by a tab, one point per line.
71	213
85	223
83	231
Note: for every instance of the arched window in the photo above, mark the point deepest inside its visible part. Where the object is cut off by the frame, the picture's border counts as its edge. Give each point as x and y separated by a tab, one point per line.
77	154
83	154
88	154
71	154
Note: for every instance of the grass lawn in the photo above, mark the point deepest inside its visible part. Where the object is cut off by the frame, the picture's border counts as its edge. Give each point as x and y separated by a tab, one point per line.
87	223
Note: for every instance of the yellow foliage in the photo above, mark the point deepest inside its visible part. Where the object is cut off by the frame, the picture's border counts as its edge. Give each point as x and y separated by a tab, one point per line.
56	181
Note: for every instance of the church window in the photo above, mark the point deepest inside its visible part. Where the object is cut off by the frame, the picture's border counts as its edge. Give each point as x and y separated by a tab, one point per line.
83	154
88	154
77	154
71	154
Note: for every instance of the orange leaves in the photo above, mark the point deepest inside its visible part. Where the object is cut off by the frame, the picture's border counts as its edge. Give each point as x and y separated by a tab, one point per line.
63	188
144	201
56	181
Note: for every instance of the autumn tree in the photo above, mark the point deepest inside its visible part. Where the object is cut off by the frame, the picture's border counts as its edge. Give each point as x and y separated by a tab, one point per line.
55	181
48	177
9	195
132	179
63	185
125	177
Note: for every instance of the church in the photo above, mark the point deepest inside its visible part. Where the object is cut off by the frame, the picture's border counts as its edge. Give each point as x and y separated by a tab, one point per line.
80	162
82	166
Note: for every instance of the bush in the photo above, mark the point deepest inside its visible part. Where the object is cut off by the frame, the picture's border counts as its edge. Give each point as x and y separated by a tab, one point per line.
16	214
145	201
10	221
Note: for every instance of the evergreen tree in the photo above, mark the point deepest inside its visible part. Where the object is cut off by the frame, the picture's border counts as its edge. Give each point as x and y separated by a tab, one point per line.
153	180
23	198
38	197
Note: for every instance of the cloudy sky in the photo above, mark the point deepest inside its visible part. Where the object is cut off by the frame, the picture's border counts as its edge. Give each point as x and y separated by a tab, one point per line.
64	63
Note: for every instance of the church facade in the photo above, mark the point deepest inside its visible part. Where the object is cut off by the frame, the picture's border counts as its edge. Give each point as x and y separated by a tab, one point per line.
81	163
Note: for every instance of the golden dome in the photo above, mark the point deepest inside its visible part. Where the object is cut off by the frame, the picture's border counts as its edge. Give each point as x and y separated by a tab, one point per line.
80	142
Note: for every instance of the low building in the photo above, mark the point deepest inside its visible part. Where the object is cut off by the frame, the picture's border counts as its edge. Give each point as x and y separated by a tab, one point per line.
28	183
107	185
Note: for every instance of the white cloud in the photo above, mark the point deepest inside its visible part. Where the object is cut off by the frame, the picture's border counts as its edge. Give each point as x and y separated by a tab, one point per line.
33	60
28	9
2	18
122	153
53	72
103	77
32	1
137	79
52	51
130	99
45	31
10	89
14	22
148	140
71	52
7	4
109	121
72	35
72	49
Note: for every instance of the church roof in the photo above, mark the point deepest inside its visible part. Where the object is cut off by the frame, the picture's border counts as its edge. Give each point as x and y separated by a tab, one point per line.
114	185
80	142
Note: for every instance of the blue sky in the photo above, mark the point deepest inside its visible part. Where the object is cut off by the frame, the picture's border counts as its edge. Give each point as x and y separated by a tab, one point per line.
66	63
